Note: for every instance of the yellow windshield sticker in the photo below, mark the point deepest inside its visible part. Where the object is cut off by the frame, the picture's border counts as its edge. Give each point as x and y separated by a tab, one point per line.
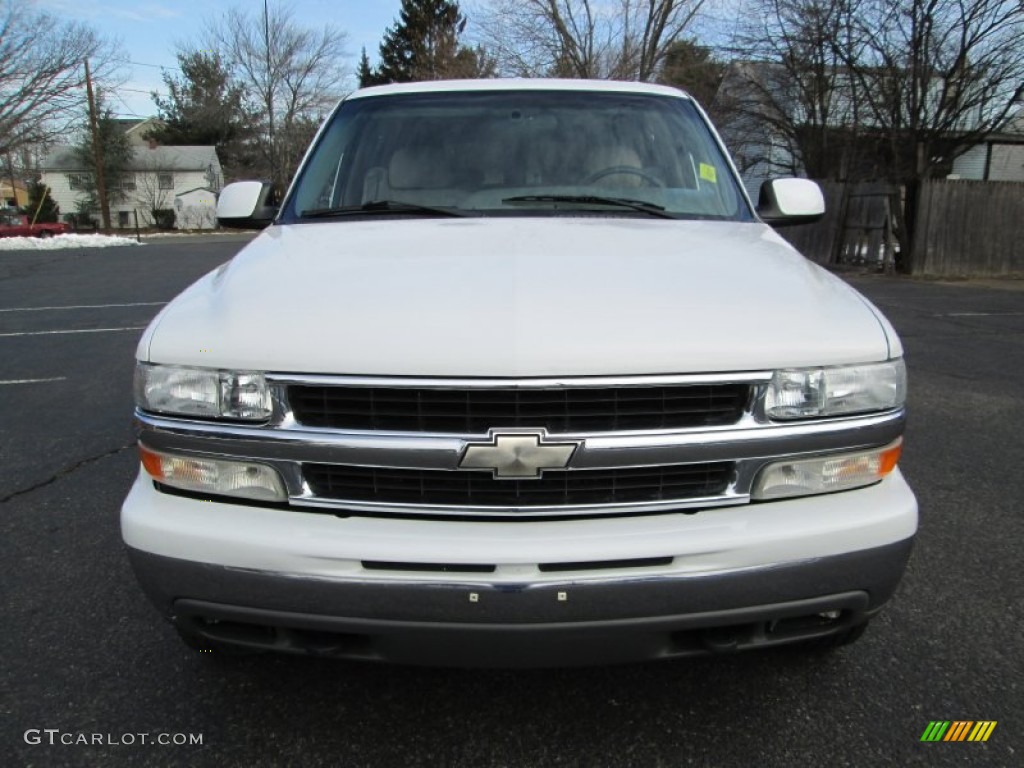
707	172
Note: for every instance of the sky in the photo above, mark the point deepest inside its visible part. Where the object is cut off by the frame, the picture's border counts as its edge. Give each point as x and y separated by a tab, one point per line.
149	31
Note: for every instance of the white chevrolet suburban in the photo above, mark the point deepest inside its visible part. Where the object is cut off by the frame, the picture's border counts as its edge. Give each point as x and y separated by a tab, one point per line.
517	375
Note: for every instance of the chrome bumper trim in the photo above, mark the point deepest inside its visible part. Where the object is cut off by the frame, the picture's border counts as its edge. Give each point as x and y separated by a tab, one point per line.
751	447
575	382
729	498
415	451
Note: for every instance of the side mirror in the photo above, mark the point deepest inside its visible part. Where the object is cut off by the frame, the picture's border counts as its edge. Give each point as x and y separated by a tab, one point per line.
790	201
246	205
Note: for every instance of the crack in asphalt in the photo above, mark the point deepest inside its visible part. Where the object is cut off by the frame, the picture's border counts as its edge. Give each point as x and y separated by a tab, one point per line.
67	471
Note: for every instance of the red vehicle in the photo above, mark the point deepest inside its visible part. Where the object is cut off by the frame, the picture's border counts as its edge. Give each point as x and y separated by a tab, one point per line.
17	225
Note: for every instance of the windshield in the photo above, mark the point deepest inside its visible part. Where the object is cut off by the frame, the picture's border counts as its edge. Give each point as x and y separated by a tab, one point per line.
517	153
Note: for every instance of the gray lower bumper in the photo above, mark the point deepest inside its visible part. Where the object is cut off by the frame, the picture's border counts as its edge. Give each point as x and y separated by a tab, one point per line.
480	624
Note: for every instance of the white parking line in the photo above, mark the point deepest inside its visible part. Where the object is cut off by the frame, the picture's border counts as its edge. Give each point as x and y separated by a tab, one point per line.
87	306
31	381
981	314
82	330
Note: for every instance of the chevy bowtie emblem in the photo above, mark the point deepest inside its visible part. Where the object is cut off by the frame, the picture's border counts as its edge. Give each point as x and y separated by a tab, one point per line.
517	455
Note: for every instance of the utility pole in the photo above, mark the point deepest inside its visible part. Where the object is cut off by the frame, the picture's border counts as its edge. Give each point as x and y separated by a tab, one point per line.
97	151
269	96
10	172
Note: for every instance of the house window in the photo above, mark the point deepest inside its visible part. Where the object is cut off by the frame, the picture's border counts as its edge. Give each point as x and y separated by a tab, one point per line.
124	219
165	180
79	181
127	182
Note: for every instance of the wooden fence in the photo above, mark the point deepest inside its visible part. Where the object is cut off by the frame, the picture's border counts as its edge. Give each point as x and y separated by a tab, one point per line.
817	241
857	228
969	228
962	228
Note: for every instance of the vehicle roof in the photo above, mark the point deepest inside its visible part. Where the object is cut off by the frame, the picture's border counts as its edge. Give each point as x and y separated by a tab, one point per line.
518	84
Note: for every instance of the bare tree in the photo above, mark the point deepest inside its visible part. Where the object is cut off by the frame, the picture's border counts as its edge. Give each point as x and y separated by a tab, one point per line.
293	73
154	190
911	81
41	73
623	40
936	75
789	93
889	89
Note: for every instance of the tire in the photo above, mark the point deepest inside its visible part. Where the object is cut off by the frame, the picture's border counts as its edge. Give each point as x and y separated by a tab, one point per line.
45	234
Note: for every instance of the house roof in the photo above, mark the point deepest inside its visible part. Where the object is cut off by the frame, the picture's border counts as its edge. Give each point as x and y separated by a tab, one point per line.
128	123
197	189
145	159
132	124
1011	132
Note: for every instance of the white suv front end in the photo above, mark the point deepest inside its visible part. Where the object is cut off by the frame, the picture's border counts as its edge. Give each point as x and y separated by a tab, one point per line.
475	398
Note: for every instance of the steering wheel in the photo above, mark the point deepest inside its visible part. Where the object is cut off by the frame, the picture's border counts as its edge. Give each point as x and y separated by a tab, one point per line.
653	180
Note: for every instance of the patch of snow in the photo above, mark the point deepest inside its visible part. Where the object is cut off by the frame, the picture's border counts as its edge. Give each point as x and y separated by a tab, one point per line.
193	233
62	242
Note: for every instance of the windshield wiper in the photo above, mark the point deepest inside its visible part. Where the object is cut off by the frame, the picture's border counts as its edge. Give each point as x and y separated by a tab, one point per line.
379	206
622	202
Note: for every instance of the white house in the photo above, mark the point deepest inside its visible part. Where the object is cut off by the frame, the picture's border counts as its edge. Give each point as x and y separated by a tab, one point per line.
998	157
196	209
154	180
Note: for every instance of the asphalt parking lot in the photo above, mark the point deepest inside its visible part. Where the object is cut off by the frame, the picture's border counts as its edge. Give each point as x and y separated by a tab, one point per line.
84	653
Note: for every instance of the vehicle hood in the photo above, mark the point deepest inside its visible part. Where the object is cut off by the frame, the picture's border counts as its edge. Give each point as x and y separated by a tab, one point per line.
552	296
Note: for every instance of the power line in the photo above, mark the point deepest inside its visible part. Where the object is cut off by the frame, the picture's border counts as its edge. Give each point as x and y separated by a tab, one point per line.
154	66
125	103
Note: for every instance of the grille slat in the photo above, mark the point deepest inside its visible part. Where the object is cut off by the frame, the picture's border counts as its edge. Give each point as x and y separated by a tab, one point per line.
602	409
463	488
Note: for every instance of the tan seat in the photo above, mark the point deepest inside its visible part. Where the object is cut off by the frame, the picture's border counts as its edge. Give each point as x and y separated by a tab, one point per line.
423	167
608	157
413	174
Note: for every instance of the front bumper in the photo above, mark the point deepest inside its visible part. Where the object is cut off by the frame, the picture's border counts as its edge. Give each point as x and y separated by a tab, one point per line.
557	593
484	625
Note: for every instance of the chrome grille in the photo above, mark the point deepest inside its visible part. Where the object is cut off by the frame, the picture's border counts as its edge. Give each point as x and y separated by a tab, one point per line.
555	488
556	409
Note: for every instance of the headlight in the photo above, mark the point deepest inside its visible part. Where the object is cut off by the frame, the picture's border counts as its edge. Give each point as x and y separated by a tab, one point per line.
825	474
202	392
807	393
216	477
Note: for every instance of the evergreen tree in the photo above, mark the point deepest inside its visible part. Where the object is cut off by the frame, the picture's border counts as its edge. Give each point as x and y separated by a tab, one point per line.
48	210
423	44
205	106
367	75
117	157
694	68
